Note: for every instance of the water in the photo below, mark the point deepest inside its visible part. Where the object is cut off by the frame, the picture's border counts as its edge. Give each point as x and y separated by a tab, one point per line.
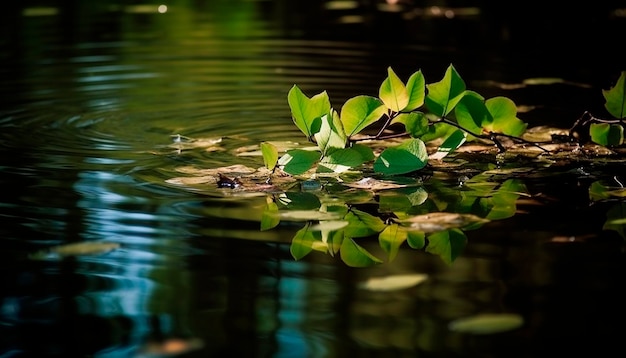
97	101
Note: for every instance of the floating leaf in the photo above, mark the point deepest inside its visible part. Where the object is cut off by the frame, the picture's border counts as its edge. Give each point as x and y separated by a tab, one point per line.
454	140
342	160
407	157
393	283
298	161
75	249
393	92
359	112
438	221
356	256
487	323
308	215
270	155
444	95
616	98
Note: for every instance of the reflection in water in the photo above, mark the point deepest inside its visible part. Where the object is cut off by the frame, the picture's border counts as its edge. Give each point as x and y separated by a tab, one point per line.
92	95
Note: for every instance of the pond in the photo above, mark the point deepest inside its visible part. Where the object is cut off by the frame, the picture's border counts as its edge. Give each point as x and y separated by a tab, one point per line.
118	242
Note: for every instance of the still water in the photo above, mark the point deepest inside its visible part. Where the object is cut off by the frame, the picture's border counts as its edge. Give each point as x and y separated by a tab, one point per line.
99	102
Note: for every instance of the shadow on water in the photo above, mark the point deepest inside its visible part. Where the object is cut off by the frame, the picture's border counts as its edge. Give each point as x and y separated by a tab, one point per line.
97	98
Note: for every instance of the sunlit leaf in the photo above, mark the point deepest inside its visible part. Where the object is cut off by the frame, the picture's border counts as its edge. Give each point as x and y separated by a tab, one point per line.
298	161
607	134
393	92
504	114
415	123
270	217
342	160
270	155
471	113
407	157
366	152
391	238
306	112
393	282
616	97
447	244
487	323
362	224
356	256
416	88
359	112
438	221
454	140
444	95
330	136
303	242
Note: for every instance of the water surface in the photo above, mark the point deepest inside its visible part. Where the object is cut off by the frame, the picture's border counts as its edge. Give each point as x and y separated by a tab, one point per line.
98	102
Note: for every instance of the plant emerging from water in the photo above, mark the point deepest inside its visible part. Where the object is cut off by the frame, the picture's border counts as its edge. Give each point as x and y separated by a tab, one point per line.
446	111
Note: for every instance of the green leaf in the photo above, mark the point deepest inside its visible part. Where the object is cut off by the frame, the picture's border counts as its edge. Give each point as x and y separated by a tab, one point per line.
616	97
356	256
448	244
341	160
391	238
270	155
416	87
437	130
504	114
616	219
415	123
306	112
298	161
471	112
393	93
366	152
454	140
303	242
270	217
330	136
359	112
407	157
444	95
362	224
607	134
487	323
416	239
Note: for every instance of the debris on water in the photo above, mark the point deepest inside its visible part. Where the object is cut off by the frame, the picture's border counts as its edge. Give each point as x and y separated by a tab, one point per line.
226	182
75	249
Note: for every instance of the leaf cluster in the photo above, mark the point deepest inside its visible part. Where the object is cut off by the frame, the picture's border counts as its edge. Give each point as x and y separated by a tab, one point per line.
444	110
